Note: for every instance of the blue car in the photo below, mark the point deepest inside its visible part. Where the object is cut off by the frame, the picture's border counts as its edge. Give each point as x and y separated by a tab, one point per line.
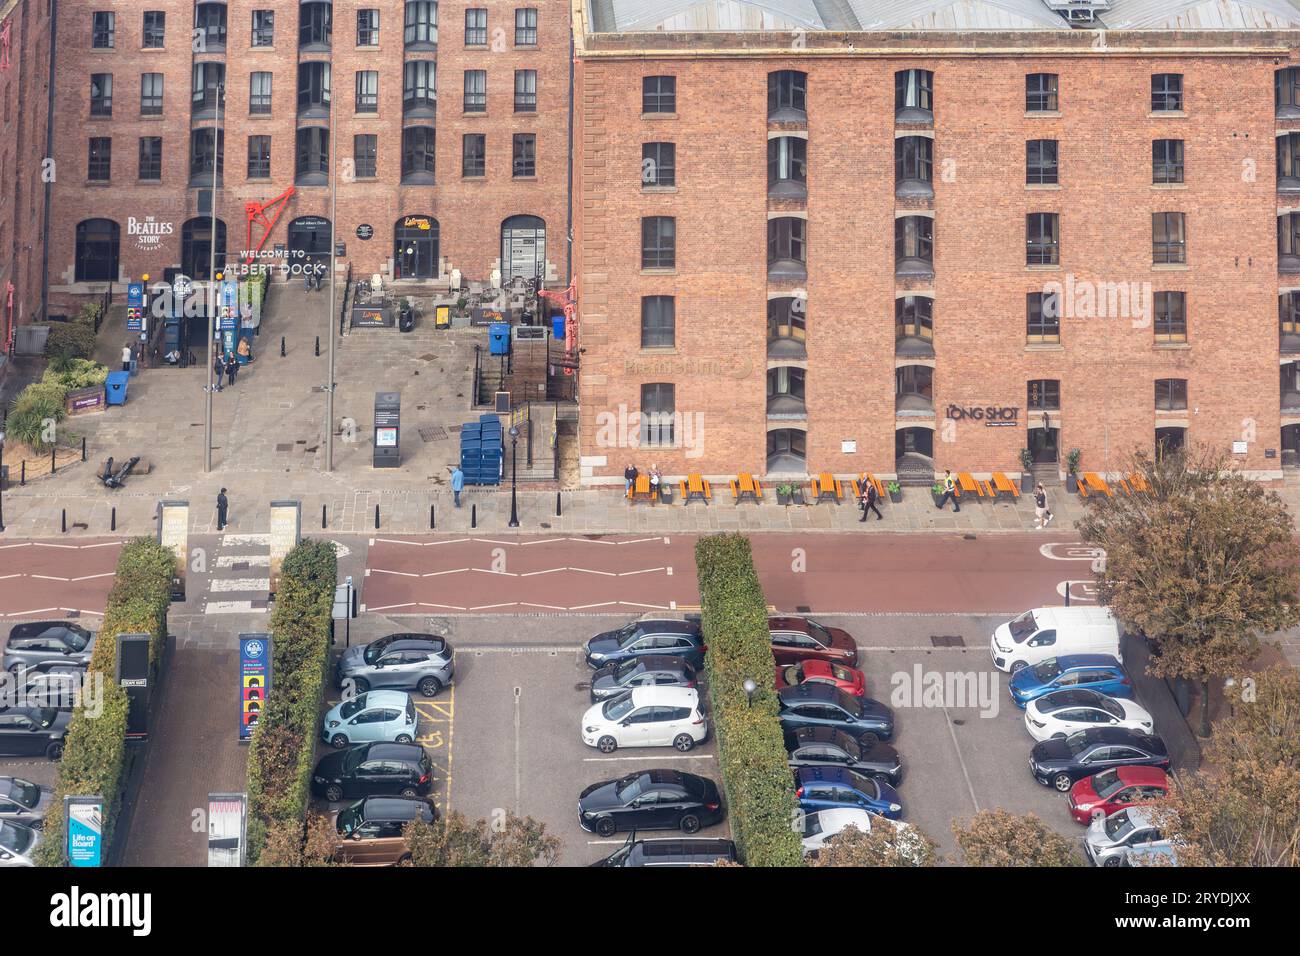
829	788
657	634
1099	672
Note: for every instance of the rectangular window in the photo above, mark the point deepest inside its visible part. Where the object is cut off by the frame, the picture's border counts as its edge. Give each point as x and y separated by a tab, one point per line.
659	94
365	155
1171	316
1044	395
368	27
473	161
150	158
658	322
476	91
525	27
99	167
1040	162
1043	239
524	163
1167	161
155	27
1171	394
1168	237
476	27
420	29
1166	93
367	91
658	407
263	27
259	93
102	31
259	157
525	91
1042	318
658	242
101	94
151	94
1040	93
658	164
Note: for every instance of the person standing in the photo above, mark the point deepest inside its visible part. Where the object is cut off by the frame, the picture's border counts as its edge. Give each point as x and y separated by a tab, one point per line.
949	492
1042	514
218	369
869	498
629	476
457	484
126	357
223	509
232	368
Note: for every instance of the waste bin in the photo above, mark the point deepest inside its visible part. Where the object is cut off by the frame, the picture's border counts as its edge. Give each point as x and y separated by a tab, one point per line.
557	327
499	338
406	319
115	387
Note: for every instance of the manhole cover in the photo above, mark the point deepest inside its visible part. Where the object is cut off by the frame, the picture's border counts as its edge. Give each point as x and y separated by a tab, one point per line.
239	566
285	446
803	609
433	433
947	640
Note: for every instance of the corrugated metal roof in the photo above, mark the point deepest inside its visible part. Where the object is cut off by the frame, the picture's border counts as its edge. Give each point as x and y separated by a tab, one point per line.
956	15
1202	15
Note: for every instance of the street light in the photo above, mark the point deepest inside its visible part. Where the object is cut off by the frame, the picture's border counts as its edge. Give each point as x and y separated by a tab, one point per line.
2	481
218	156
514	475
750	688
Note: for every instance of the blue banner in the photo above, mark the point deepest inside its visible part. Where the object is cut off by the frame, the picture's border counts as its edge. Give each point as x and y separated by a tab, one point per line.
135	294
85	830
254	680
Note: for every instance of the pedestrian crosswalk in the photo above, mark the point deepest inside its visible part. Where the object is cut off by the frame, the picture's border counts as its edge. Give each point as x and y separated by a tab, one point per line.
239	581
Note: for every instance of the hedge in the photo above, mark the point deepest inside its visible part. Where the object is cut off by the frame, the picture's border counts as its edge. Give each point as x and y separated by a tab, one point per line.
94	751
751	750
282	751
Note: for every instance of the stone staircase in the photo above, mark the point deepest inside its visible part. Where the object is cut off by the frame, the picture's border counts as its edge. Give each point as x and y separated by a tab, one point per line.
915	470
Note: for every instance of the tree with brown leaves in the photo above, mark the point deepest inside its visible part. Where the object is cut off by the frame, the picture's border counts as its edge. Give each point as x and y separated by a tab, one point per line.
999	838
456	840
879	846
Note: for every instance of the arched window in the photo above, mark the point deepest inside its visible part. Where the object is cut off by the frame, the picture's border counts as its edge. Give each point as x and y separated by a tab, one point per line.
98	244
416	242
523	247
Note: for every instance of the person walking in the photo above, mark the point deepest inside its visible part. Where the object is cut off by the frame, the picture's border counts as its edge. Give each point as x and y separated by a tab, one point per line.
869	499
126	357
629	476
949	492
218	369
457	484
223	509
1042	514
232	368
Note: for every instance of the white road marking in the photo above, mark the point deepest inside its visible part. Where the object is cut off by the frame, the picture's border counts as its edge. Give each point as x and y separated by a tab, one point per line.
240	584
252	560
231	607
229	539
689	756
961	760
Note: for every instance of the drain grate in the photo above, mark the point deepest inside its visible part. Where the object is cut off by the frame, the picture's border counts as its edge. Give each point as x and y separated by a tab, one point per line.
285	446
433	433
803	608
947	640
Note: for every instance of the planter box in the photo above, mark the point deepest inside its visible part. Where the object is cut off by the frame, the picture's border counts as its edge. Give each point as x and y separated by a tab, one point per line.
896	497
1027	483
797	497
782	499
1072	484
938	499
83	400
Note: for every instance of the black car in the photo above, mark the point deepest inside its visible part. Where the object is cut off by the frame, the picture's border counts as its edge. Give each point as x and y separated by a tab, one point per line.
827	747
648	671
820	705
373	770
650	800
658	635
672	852
1063	760
25	731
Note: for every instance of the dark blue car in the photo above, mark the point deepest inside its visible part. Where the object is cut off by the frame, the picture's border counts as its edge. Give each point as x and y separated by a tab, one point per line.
828	788
659	635
1099	672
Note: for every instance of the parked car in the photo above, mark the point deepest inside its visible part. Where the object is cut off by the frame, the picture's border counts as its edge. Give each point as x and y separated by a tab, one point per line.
820	705
17	844
651	670
1060	762
1153	853
656	635
646	717
700	851
57	686
1100	672
824	788
828	747
25	731
22	801
371	831
1062	712
1051	632
374	715
420	662
373	770
1109	839
824	825
650	800
848	679
797	639
38	641
1114	789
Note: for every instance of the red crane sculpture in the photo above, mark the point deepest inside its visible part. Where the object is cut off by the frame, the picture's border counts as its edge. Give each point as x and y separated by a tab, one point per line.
256	212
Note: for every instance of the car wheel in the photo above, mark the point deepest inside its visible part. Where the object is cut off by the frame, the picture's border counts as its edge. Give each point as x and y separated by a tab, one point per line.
430	686
606	827
409	792
607	745
360	685
683	742
15	668
338	741
690	823
1058	736
55	750
1113	861
333	793
1063	782
402	739
1017	667
868	740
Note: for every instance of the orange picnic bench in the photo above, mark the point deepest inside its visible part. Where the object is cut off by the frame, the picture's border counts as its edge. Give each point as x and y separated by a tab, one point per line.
1004	485
967	483
745	488
826	487
695	488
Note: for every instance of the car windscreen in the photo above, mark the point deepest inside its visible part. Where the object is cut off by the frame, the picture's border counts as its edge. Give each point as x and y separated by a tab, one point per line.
818	632
350	818
1118	826
1076	742
812	824
410	710
866	785
1047	670
1023	626
16	839
626	635
617	708
350	707
76	638
625	669
352	759
1106	783
631	787
375	649
792	675
1111	707
841	672
45	717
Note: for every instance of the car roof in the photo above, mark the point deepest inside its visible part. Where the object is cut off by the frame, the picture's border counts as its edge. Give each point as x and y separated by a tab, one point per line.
384	698
37	628
1139	816
805	736
660	775
667	696
391	751
1143	776
1121	735
660	662
1071	697
826	775
677	846
836	818
392	808
409	641
825	693
1067	661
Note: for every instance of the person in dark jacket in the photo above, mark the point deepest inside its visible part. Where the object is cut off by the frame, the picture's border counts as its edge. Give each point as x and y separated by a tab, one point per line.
218	370
869	499
223	509
232	367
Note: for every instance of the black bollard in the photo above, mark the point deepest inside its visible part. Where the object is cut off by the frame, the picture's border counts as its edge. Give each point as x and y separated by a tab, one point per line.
53	463
282	346
112	520
83	447
65	520
318	345
473	516
558	510
22	472
376	517
431	525
323	523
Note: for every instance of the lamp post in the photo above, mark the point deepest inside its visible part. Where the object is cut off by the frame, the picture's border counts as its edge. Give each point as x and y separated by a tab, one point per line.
750	689
212	277
514	474
2	481
329	319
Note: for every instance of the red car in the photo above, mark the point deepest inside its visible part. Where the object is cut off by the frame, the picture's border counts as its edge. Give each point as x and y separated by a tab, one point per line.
848	679
797	639
1115	789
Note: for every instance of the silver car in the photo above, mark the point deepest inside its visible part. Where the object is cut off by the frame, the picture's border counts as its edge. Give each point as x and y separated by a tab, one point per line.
38	642
398	662
22	801
1109	839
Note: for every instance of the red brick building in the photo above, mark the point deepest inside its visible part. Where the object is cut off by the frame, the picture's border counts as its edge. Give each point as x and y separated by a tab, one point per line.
450	122
908	236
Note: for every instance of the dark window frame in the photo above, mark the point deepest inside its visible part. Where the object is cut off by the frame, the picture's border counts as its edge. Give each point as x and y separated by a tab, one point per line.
259	156
658	165
151	102
787	95
1042	162
368	27
99	159
526	26
475	100
365	155
259	97
153	29
658	242
523	155
1169	319
658	321
658	415
1042	318
366	85
101	105
658	92
1043	395
1167	158
263	28
1166	92
1042	93
419	154
1042	239
473	155
1171	394
476	26
148	159
103	30
1172	248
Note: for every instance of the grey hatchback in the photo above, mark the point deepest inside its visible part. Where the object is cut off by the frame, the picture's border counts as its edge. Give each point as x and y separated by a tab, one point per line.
399	661
37	642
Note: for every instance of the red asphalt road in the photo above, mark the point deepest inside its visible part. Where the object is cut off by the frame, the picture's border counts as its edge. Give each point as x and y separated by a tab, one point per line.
905	573
39	578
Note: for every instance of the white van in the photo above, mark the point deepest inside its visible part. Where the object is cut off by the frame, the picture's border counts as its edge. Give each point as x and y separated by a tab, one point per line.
1053	632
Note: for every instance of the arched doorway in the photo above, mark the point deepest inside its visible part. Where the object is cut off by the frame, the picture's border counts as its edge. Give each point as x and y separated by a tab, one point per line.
1044	443
787	451
523	247
309	240
415	248
98	250
196	247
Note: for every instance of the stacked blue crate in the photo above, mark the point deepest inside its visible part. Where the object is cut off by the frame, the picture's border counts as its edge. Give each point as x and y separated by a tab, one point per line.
480	451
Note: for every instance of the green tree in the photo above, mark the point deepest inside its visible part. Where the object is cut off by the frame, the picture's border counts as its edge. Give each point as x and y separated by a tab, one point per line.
999	838
879	846
456	840
1202	564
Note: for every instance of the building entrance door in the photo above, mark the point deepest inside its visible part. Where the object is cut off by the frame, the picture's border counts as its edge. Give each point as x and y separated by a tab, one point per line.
415	248
1043	444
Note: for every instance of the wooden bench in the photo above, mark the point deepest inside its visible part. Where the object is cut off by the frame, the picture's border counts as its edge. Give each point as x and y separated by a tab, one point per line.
967	483
866	478
1138	484
1004	485
695	488
1096	483
745	488
641	490
826	487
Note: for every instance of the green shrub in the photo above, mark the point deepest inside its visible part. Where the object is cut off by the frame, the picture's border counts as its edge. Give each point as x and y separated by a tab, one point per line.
35	405
751	749
71	373
70	340
94	752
